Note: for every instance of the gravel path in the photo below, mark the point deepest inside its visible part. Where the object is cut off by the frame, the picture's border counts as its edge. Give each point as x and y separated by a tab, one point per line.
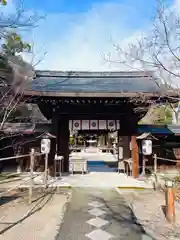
93	214
148	209
39	221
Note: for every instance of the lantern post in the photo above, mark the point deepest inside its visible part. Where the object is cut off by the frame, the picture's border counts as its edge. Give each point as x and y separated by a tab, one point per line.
45	149
146	151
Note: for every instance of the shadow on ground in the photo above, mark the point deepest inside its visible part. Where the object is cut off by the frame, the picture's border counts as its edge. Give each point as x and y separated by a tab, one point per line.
40	202
125	217
120	220
7	199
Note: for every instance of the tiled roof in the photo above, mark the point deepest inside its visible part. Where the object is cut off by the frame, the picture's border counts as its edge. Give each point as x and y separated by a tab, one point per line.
25	128
159	129
54	81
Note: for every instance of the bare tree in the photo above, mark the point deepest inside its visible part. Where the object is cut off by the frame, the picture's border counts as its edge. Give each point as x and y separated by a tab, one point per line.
14	70
157	50
18	18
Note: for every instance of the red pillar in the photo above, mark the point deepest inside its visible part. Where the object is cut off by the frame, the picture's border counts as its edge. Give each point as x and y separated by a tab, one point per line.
170	204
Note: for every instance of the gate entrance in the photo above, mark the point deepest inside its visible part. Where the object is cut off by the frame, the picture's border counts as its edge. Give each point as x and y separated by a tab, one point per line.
64	96
102	166
97	142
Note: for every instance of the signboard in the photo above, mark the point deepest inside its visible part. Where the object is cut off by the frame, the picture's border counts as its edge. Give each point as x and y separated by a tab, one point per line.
45	145
120	153
147	147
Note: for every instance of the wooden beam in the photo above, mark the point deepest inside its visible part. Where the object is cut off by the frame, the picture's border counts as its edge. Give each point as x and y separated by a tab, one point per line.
90	94
135	157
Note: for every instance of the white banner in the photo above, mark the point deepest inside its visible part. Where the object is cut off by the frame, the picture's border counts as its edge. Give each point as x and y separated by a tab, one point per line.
70	125
111	125
93	124
85	124
102	124
77	125
117	124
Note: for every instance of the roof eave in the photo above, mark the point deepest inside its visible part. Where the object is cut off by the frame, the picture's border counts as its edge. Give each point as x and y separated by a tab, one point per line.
91	94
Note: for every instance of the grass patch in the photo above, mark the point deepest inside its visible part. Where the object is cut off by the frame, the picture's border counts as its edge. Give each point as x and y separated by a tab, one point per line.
177	179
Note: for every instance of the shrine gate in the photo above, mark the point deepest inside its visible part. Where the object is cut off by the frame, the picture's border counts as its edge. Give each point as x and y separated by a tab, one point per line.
113	100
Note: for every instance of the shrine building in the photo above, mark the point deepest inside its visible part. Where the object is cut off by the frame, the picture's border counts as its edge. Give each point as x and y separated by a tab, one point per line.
95	101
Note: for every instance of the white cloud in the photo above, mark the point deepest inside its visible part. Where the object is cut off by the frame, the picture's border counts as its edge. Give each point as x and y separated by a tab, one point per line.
77	42
177	4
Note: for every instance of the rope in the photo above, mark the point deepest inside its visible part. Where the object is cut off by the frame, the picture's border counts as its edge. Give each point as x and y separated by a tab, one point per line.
20	156
166	159
24	181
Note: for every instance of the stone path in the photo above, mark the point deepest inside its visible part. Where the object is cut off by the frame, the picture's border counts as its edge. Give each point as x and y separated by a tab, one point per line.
101	180
97	179
97	156
99	215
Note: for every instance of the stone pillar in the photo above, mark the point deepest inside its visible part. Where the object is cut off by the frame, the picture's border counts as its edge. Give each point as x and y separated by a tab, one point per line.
63	142
135	157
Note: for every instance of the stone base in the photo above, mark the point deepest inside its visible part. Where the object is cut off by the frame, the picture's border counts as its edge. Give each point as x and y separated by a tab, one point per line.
40	179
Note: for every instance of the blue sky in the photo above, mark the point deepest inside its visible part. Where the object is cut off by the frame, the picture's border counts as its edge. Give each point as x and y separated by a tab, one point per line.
77	6
75	34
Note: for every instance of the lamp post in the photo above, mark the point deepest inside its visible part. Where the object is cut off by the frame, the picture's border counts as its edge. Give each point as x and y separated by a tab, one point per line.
146	151
45	149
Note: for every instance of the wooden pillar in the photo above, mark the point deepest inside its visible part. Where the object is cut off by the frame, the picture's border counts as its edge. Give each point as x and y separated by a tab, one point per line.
135	157
128	124
54	132
63	142
102	140
124	142
170	203
106	138
126	147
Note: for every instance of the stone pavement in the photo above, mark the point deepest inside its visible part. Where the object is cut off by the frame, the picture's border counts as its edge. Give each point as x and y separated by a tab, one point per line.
97	156
97	214
96	179
101	180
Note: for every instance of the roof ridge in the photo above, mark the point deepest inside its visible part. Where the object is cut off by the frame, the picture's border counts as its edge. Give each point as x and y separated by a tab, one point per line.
48	73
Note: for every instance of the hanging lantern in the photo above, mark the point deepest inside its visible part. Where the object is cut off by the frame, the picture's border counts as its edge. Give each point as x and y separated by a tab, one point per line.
147	147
